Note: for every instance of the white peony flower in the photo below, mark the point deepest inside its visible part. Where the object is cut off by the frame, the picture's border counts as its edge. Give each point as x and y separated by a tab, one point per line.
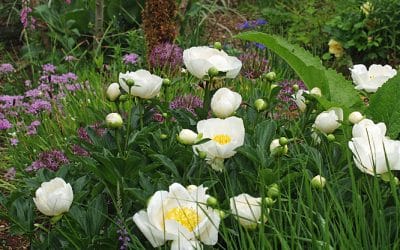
145	85
247	209
187	137
113	92
198	60
372	151
54	197
225	102
226	135
328	121
180	215
370	80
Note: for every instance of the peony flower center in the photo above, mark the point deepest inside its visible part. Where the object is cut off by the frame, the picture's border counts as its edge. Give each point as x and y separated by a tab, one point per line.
185	216
222	139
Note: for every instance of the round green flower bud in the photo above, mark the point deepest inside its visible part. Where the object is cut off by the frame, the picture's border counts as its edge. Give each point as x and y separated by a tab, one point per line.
114	121
165	115
331	137
123	98
273	191
318	182
283	141
163	136
166	82
269	201
212	201
130	82
217	45
213	71
202	155
221	214
260	105
270	76
295	87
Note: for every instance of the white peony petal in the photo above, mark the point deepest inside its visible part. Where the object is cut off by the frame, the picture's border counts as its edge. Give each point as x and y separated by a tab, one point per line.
156	237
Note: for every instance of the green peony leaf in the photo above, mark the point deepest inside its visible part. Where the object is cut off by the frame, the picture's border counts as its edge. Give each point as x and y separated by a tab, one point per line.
384	106
335	88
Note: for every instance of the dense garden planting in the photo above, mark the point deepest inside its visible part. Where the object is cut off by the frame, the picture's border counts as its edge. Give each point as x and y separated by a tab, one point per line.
199	124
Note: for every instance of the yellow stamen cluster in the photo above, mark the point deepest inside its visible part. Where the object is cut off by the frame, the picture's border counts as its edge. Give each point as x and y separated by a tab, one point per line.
185	216
222	139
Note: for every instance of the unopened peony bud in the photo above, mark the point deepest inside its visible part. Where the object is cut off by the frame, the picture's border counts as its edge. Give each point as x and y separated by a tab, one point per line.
295	87
166	82
114	120
212	201
163	136
221	214
123	98
283	141
187	137
273	191
213	71
217	45
331	137
318	182
130	82
202	155
277	149
355	117
316	91
270	76
260	105
113	92
269	201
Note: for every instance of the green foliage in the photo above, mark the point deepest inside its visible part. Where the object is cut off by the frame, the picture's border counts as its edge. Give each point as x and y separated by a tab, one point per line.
335	88
383	106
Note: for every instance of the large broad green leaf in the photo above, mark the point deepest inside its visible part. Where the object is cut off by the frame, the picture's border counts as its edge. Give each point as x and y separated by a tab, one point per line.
336	90
384	106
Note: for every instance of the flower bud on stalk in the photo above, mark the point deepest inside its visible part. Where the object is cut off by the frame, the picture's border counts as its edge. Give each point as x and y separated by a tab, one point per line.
318	182
355	117
217	45
187	137
113	92
114	121
273	191
270	76
260	105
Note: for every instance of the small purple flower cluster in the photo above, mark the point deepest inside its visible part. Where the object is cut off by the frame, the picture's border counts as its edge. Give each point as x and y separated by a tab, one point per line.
253	65
166	56
51	160
287	108
123	236
252	24
27	20
6	68
5	124
131	58
10	174
79	151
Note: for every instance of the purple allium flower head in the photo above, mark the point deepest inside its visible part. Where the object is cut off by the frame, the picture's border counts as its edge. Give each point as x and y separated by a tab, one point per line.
51	160
83	135
6	68
27	20
33	93
253	65
10	174
5	124
79	151
73	87
37	106
49	68
131	58
166	55
187	102
32	128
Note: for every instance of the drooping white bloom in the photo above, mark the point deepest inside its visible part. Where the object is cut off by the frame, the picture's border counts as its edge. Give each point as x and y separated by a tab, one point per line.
180	215
247	209
370	80
198	60
225	102
113	92
300	100
141	83
54	197
187	137
373	153
355	117
328	121
226	135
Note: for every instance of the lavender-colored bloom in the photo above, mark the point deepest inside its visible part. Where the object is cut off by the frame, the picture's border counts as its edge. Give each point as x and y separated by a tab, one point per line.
33	93
6	68
28	83
9	101
10	174
287	91
252	24
64	78
73	87
5	124
79	151
259	46
187	102
51	160
14	141
123	236
83	135
24	16
131	58
166	55
37	106
253	65
32	128
49	68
